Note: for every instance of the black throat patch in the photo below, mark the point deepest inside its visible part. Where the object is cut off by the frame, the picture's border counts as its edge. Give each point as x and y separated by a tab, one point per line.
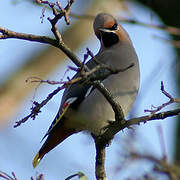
109	38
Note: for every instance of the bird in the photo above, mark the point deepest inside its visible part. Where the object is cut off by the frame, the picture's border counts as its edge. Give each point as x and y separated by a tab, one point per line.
83	107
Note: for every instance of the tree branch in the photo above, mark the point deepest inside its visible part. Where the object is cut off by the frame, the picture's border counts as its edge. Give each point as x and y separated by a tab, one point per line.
7	34
117	126
169	96
100	159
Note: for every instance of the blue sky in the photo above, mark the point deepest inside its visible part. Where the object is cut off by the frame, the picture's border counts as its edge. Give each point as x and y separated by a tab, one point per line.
77	153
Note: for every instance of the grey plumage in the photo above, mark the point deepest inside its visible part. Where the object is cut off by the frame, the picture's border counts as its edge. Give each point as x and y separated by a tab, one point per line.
84	107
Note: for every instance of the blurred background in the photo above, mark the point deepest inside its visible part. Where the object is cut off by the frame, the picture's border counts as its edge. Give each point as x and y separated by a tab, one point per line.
19	60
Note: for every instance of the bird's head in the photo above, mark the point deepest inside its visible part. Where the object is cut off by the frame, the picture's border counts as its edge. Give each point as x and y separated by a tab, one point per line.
109	31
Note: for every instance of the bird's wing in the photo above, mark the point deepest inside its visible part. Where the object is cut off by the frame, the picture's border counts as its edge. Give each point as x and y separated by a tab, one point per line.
73	95
72	100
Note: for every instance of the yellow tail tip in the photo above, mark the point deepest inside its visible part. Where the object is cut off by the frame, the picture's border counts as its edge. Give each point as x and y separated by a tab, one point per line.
36	160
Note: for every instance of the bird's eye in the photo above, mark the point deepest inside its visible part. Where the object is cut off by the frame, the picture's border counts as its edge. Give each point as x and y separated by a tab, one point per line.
114	27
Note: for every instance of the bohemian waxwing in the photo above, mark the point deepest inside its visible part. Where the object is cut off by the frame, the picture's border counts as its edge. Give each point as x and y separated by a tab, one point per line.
83	107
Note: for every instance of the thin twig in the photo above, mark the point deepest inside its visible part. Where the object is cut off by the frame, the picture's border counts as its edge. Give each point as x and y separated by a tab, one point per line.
35	109
5	176
14	175
171	100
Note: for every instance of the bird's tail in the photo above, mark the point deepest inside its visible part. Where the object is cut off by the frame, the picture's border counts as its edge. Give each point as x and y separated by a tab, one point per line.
59	134
36	159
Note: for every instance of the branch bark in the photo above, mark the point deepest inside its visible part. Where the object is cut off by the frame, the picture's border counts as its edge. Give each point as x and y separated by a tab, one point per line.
100	159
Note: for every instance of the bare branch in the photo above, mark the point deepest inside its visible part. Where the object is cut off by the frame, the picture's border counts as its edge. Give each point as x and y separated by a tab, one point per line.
171	100
116	126
161	165
58	15
6	33
14	175
5	176
35	109
100	159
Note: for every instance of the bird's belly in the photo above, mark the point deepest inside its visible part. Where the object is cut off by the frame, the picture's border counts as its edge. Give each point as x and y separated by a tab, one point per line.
95	112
